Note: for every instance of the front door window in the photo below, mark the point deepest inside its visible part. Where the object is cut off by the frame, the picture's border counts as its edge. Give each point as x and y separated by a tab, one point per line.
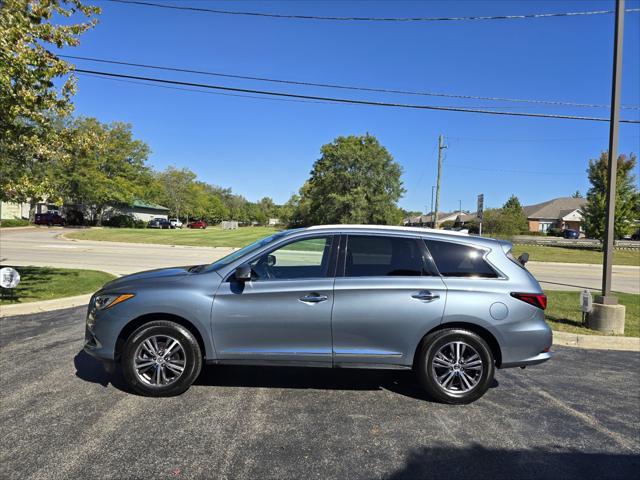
307	258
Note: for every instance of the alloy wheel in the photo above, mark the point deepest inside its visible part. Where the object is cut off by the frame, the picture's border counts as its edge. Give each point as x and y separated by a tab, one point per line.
159	360
457	367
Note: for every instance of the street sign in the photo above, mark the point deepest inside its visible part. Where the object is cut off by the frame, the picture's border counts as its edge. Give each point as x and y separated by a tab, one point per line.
480	211
586	301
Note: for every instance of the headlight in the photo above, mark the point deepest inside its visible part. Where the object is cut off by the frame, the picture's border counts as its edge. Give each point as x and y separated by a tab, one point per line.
109	300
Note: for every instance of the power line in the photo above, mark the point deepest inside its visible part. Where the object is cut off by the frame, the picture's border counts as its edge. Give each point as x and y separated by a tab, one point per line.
254	97
368	19
336	86
528	172
194	90
348	101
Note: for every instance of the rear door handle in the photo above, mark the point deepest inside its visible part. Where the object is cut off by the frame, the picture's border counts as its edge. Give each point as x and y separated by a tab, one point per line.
425	296
313	298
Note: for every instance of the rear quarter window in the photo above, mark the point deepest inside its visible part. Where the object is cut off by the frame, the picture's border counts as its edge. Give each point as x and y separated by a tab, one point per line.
457	260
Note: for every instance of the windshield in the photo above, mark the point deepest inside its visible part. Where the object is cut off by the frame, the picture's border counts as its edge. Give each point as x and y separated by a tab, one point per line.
245	250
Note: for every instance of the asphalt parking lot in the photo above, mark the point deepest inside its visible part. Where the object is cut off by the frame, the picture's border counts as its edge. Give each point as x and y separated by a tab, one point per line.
577	416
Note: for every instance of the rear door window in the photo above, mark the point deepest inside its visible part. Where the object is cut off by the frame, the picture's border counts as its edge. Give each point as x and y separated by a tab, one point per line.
379	256
457	260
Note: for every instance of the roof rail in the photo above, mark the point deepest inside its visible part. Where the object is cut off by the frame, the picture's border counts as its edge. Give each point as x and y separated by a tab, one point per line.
389	227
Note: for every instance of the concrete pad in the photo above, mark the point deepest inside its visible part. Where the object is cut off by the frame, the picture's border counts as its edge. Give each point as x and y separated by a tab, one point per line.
607	319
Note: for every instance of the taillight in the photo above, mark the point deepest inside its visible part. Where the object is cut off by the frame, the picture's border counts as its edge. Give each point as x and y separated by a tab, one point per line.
536	299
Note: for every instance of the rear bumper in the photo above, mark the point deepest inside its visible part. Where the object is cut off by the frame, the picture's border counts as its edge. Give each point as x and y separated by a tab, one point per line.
535	360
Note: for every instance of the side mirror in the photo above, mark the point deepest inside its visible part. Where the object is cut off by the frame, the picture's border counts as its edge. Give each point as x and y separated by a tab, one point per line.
243	273
523	259
271	260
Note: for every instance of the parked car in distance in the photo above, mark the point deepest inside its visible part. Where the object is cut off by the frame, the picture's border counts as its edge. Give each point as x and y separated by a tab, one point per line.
198	224
50	218
450	306
571	233
158	223
175	223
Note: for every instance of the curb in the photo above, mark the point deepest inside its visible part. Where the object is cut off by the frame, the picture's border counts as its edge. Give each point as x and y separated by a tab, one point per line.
598	342
44	306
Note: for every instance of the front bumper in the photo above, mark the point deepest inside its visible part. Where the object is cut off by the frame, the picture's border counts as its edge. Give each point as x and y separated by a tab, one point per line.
101	333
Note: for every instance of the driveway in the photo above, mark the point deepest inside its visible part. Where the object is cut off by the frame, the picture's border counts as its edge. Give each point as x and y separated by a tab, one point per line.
575	417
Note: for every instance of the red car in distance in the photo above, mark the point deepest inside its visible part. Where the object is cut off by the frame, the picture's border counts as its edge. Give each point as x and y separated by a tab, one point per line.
197	224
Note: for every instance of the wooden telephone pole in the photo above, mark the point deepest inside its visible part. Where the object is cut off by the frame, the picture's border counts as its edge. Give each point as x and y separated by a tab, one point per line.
441	146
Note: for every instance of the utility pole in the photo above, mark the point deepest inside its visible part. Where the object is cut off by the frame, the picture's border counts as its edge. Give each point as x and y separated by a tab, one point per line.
460	207
441	146
433	187
607	298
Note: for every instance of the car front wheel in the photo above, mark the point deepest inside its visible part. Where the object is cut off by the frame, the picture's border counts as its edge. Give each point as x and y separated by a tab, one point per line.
455	366
161	359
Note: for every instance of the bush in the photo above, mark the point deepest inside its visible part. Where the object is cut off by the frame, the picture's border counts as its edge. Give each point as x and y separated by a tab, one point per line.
447	224
536	234
125	221
554	232
14	222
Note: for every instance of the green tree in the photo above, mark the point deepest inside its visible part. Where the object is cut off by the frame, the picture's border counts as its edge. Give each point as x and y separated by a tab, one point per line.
268	207
176	185
36	88
105	165
355	181
576	194
627	197
513	221
203	202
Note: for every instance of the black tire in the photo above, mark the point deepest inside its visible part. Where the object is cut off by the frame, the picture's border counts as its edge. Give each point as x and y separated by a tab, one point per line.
192	358
428	373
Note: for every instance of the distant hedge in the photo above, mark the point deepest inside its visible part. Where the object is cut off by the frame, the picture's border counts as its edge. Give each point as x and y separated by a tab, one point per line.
125	221
14	222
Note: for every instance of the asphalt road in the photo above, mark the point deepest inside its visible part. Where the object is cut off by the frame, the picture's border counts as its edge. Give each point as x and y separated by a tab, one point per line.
577	416
44	247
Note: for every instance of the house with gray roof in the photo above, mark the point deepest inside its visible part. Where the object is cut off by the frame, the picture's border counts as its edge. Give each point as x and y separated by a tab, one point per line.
426	220
140	210
564	213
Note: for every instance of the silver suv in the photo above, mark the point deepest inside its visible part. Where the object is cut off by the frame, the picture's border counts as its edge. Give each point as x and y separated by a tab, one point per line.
450	306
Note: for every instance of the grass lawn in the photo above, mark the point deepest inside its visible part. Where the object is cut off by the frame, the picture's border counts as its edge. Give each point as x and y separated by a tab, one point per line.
542	253
209	237
8	223
45	283
563	313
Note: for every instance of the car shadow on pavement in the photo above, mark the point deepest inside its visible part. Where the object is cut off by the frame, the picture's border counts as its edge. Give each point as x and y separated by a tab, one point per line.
401	382
476	461
91	370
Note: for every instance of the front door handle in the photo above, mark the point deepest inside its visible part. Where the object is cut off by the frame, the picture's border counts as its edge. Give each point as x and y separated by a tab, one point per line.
425	296
313	298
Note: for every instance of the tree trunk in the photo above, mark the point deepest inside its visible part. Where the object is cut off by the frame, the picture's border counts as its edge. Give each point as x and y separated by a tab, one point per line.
32	210
99	216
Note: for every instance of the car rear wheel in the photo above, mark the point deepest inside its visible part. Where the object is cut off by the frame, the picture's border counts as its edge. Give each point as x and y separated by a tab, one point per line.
455	366
161	359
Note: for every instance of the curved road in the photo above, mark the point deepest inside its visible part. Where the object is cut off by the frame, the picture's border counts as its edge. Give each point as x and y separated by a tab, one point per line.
46	247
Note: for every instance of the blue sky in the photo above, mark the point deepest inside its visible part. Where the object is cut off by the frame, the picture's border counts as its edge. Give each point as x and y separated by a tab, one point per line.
266	147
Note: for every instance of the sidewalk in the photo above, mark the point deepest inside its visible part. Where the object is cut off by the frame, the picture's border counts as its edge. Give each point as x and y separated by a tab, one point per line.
44	306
